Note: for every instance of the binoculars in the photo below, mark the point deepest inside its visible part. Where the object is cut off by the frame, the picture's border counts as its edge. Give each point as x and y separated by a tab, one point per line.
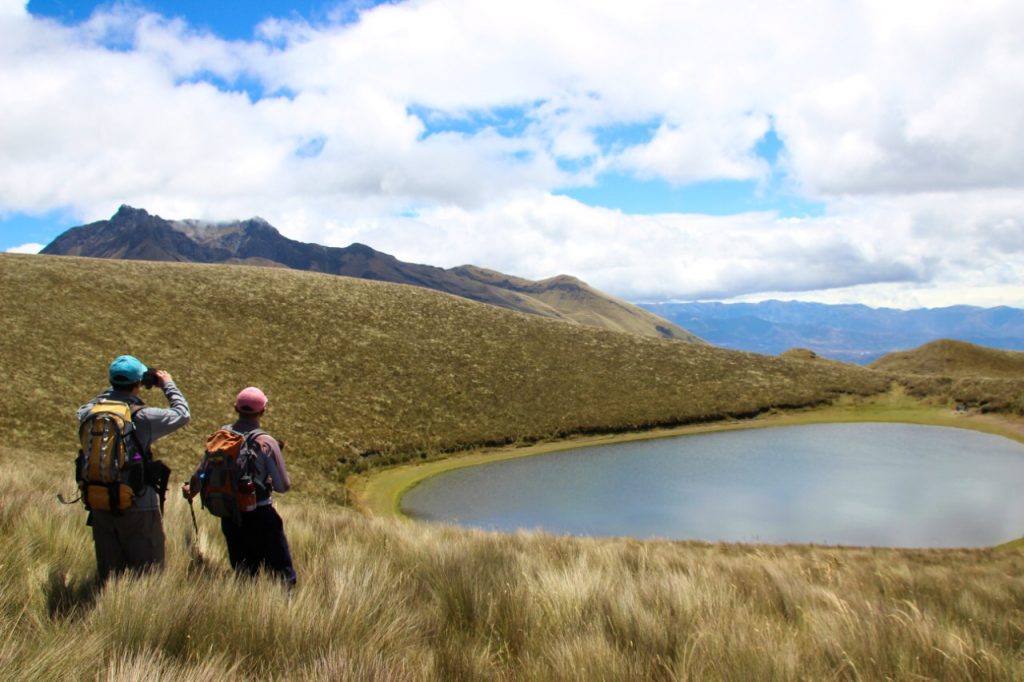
149	378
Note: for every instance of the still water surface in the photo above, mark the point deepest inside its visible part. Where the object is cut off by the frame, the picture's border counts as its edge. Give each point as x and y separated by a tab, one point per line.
895	485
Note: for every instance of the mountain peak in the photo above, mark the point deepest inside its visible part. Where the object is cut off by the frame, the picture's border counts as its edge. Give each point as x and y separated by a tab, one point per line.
133	233
259	226
361	249
125	211
564	281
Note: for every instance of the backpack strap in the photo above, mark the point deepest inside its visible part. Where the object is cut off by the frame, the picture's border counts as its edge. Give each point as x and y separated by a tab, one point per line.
254	446
147	453
254	434
248	435
251	439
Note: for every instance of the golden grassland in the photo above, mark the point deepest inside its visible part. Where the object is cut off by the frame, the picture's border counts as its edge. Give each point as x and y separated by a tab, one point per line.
359	373
946	357
362	374
988	379
571	299
380	599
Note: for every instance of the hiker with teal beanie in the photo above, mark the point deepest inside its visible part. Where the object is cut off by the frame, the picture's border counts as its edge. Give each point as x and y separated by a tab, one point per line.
253	530
128	532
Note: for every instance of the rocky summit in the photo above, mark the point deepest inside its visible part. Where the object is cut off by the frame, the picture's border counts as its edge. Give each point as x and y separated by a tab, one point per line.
135	234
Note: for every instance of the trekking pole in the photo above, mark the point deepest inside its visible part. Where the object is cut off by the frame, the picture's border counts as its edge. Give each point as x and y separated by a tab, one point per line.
195	526
197	560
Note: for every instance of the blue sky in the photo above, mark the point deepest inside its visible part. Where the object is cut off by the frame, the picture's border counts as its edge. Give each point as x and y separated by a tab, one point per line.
829	150
229	20
615	190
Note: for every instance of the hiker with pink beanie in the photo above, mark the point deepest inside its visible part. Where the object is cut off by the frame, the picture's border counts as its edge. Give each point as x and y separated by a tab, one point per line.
255	536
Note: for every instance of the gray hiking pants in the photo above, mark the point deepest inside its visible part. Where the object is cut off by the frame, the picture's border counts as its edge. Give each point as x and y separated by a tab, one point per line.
133	540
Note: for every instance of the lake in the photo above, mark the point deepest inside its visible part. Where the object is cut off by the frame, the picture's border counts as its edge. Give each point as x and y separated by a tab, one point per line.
895	485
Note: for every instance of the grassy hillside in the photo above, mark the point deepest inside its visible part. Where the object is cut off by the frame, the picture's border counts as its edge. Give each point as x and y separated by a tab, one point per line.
355	367
807	355
358	372
379	599
948	371
950	358
577	301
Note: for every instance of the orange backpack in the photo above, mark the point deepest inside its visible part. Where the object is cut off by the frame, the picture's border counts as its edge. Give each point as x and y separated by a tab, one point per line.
226	478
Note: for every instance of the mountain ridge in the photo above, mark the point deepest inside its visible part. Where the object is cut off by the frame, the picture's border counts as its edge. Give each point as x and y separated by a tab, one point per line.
134	234
849	332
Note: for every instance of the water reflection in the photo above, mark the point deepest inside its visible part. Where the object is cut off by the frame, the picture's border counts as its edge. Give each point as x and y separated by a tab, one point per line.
863	484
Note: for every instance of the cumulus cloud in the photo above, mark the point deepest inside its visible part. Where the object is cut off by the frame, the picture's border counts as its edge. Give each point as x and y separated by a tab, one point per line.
26	248
720	150
928	108
932	243
903	123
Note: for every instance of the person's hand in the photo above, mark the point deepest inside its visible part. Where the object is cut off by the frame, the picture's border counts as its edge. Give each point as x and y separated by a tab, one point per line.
163	376
186	491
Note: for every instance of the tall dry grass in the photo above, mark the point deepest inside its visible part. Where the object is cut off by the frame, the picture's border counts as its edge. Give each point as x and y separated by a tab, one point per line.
985	394
355	368
359	373
384	599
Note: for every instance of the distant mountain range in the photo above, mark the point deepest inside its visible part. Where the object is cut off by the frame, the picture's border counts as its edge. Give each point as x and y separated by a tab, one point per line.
851	333
134	234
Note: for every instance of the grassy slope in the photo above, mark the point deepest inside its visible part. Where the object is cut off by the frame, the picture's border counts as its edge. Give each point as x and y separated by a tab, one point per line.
355	367
957	372
954	359
579	301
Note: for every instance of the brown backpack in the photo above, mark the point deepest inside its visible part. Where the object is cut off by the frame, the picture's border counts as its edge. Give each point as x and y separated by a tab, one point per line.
110	466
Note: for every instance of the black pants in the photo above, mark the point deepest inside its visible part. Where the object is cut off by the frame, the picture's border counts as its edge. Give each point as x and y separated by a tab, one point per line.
259	544
130	541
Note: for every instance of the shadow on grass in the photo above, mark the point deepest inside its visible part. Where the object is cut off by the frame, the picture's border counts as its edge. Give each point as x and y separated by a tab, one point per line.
196	561
69	597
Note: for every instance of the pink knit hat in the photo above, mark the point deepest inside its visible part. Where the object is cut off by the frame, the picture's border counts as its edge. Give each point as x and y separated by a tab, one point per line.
251	400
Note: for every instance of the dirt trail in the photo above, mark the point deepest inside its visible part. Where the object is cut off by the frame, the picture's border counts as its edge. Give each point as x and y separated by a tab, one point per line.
1003	421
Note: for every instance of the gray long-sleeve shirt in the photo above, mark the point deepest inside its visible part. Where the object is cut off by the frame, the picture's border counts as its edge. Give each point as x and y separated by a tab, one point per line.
151	424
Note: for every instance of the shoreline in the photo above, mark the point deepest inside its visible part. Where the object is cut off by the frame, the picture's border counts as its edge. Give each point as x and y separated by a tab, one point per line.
380	492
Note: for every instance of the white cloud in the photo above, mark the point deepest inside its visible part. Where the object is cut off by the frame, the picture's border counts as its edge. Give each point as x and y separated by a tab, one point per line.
904	122
918	246
26	248
719	150
930	107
